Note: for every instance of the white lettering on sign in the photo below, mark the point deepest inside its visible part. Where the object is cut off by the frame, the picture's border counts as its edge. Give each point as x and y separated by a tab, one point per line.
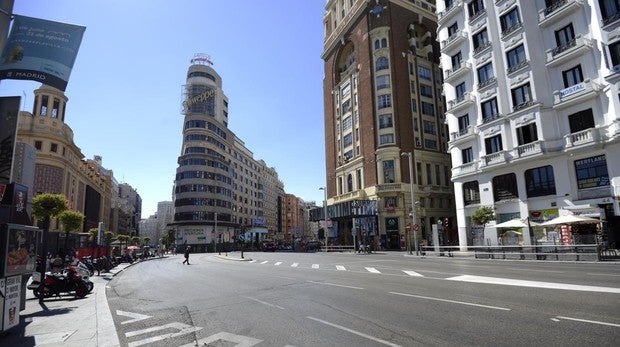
572	89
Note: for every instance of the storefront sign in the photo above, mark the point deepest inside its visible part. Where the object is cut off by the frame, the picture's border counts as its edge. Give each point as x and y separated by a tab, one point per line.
566	235
572	89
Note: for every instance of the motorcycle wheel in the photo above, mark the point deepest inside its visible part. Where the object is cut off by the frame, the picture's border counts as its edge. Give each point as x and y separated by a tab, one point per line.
90	286
81	290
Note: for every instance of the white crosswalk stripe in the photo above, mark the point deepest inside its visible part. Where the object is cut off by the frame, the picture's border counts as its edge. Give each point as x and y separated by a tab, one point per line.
278	263
412	273
295	265
373	270
265	262
315	266
340	268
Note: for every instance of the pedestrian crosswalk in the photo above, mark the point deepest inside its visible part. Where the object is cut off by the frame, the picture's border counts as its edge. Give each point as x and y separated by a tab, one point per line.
340	267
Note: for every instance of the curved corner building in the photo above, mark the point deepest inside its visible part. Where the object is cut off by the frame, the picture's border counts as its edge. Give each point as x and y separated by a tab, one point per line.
203	188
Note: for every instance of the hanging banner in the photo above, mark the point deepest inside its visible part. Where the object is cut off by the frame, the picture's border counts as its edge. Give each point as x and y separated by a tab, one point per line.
9	114
41	50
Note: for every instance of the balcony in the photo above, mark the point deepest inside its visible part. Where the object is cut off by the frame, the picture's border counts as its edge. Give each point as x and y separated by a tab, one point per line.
524	105
517	67
575	94
488	83
509	31
478	15
456	71
559	10
494	158
583	138
461	102
443	16
614	76
491	118
388	187
572	50
482	48
462	133
465	169
528	150
611	22
454	41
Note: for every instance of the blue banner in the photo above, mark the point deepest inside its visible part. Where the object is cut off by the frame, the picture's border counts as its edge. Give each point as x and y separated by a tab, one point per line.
41	50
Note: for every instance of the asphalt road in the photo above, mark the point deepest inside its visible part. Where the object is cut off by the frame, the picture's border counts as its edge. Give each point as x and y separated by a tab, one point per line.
317	299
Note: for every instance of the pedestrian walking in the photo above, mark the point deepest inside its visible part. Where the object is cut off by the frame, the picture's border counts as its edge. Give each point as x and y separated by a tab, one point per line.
186	256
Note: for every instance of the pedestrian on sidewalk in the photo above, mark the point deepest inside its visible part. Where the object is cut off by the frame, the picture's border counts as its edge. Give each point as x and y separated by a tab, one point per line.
186	256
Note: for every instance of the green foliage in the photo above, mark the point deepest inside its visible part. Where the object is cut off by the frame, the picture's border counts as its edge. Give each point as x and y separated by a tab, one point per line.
48	205
483	215
93	234
109	237
146	240
71	220
135	239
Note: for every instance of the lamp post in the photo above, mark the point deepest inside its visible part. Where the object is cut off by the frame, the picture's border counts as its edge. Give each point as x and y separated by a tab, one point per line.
324	189
413	216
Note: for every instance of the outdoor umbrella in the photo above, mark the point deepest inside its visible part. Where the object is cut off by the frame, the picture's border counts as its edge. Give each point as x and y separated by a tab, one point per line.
131	248
513	223
570	219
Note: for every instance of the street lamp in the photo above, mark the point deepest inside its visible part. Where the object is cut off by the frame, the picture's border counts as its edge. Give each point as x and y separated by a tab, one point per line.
413	216
324	189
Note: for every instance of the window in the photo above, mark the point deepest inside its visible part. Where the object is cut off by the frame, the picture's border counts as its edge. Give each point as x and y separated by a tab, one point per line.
456	61
564	36
55	107
345	90
446	175
44	101
471	193
453	29
515	58
385	121
346	123
377	44
384	101
38	145
489	109
429	127
527	134
572	76
581	120
426	90
610	9
463	122
510	20
592	172
428	109
383	81
437	175
347	140
505	187
521	95
467	155
54	147
485	74
481	40
386	139
424	73
418	168
493	144
388	171
429	175
614	52
358	175
460	91
346	106
475	7
382	63
539	181
384	43
349	183
430	144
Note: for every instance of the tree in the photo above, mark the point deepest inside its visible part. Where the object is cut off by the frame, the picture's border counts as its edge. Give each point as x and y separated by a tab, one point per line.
108	238
483	215
135	239
71	221
123	238
93	234
146	240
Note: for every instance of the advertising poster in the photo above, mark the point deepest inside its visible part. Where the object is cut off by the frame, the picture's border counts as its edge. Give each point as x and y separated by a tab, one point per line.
41	50
565	235
20	242
9	112
12	290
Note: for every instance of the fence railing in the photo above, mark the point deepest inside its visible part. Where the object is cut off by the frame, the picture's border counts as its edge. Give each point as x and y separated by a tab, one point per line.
580	252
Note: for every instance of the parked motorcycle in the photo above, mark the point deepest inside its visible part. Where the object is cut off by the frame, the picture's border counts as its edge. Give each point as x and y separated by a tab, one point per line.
60	283
83	271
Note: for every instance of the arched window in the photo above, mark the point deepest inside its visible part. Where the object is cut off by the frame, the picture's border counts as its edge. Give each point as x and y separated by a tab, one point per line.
382	63
377	44
383	43
349	183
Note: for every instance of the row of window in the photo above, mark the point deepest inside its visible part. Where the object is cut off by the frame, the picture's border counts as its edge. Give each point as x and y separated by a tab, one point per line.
435	178
186	188
205	125
203	175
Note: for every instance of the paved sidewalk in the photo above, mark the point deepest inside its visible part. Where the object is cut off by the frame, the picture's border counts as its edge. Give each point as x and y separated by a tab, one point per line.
67	321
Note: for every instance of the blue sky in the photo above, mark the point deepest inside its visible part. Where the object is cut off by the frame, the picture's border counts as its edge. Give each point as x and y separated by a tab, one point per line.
125	89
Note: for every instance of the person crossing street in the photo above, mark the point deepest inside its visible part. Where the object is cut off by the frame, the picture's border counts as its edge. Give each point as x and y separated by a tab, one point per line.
186	255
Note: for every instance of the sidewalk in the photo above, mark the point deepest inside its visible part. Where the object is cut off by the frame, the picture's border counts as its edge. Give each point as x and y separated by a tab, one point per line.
67	321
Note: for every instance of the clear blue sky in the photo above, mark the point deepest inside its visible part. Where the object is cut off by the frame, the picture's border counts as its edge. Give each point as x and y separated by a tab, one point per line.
125	89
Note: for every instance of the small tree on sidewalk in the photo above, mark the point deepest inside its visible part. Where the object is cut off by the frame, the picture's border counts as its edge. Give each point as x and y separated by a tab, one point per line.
71	222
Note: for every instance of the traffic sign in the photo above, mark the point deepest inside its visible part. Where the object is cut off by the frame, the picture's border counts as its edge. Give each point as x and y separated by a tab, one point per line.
353	232
416	227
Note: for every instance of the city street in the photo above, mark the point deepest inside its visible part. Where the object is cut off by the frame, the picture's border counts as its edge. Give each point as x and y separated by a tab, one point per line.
297	299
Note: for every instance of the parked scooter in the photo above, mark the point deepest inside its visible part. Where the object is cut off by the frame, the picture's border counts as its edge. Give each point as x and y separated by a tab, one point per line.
83	271
60	283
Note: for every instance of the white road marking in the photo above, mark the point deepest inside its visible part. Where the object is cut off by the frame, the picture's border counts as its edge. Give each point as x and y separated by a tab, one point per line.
532	270
373	270
555	319
315	266
336	285
452	301
412	273
294	264
264	302
340	268
590	321
278	263
265	262
240	340
599	274
183	329
253	261
533	284
136	316
388	343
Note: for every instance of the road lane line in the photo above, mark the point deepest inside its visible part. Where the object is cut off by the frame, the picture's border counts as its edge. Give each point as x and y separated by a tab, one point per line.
373	270
412	273
294	264
253	261
315	266
265	262
600	274
376	339
340	268
278	263
533	284
589	321
264	303
452	301
531	270
336	285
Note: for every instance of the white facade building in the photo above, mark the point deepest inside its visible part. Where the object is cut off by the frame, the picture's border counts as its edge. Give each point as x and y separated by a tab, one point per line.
533	111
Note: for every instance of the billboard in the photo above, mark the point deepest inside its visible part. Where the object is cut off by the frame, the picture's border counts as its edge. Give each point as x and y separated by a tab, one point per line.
9	113
19	249
41	50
